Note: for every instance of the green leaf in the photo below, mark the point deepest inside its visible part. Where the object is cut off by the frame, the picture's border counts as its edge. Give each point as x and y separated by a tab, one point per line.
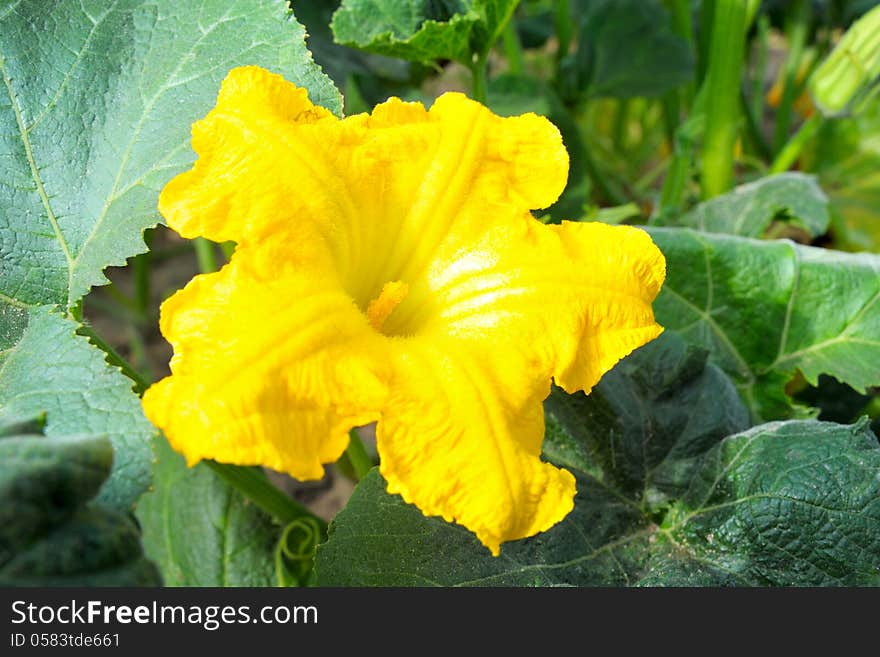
360	75
96	104
786	503
642	426
765	309
379	540
46	368
200	531
422	30
49	533
792	503
749	209
626	48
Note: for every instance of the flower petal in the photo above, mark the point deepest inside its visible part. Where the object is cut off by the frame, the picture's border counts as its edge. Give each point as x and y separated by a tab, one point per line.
461	437
273	365
578	295
258	165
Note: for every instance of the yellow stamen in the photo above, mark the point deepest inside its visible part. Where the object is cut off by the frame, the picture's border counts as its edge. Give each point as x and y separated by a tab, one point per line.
382	306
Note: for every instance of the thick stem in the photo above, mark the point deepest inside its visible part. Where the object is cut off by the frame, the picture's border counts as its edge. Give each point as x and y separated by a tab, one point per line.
723	99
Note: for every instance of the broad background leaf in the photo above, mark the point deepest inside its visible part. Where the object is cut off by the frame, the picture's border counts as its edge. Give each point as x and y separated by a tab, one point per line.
765	309
626	48
201	532
422	30
783	503
95	112
50	533
749	209
49	369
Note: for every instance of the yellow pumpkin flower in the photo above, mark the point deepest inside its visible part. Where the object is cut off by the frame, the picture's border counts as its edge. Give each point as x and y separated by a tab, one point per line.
388	270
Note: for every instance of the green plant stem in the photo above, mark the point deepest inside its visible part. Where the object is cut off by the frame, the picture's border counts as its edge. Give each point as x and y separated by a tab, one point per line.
562	23
357	456
513	51
228	249
478	78
796	33
723	99
205	255
252	482
792	149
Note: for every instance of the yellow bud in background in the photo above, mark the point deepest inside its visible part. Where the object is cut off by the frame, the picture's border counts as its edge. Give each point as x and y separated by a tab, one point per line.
848	76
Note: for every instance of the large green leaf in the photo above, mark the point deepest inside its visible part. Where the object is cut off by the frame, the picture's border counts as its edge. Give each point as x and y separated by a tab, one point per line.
791	503
422	30
201	532
639	430
749	209
786	503
46	368
626	48
50	535
95	112
664	497
379	540
765	309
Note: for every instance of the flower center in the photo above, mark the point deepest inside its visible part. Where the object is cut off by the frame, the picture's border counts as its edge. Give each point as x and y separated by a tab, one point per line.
382	306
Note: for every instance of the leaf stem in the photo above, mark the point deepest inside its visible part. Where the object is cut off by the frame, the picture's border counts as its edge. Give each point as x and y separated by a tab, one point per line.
252	482
723	99
205	255
357	456
792	149
513	51
478	78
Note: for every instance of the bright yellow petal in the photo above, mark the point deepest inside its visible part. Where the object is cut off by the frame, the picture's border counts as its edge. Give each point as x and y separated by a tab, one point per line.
258	168
273	364
577	296
461	438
